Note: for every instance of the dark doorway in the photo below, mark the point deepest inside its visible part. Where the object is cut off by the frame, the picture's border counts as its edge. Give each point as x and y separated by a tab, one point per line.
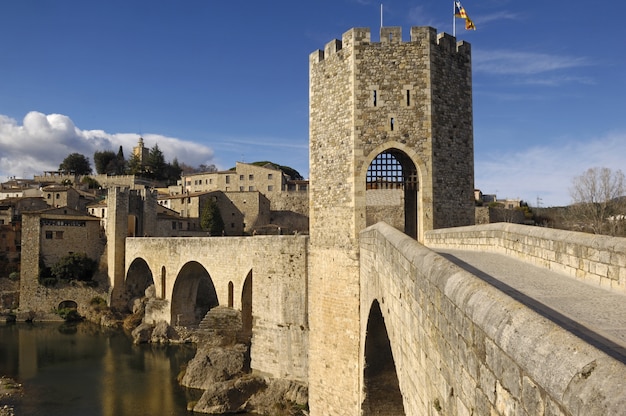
392	190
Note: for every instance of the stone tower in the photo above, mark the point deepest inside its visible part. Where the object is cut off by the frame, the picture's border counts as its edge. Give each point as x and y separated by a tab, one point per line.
389	115
130	213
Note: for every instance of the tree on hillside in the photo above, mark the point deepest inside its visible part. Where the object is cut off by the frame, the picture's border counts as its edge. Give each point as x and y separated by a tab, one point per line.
598	201
76	164
172	172
155	165
121	164
134	165
105	161
211	218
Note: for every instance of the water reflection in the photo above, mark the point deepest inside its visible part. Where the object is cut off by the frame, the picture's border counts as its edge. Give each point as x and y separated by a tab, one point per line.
84	370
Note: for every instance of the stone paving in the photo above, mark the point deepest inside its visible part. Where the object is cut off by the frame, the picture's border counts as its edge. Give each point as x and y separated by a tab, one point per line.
592	313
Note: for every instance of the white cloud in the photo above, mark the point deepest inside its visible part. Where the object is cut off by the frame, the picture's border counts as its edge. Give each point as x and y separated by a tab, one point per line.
547	171
42	141
503	62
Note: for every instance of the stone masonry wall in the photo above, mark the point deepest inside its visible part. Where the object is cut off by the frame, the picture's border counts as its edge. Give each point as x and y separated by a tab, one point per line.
462	347
488	215
452	131
596	259
333	225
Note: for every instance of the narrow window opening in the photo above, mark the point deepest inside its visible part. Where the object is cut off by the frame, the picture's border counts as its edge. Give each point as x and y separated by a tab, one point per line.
390	36
391	123
374	96
408	98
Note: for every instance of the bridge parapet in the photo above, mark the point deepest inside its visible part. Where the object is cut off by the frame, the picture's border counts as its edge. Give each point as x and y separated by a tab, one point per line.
596	259
461	346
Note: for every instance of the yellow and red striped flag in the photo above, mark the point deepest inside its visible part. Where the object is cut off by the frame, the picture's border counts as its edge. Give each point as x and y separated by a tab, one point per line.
460	12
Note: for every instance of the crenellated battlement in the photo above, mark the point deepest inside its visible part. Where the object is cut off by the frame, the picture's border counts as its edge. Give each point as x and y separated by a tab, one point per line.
391	35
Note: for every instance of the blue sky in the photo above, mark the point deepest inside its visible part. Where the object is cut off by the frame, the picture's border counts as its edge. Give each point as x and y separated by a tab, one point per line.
225	81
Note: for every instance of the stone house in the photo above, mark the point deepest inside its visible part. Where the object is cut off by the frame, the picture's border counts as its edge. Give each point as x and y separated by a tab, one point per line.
64	231
16	188
287	198
11	210
50	235
61	196
246	177
241	211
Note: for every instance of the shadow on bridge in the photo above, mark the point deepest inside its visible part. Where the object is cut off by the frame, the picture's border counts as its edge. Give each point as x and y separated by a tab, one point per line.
590	336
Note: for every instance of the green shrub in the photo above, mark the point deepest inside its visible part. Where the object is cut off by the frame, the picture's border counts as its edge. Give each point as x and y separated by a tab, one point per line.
15	276
75	266
98	303
48	281
69	314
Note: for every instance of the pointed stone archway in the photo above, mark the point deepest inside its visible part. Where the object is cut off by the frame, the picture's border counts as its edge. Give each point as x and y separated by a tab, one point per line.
392	191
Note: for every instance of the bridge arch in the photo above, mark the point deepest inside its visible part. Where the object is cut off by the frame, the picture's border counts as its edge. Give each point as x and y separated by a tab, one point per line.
381	388
193	295
138	278
393	175
246	306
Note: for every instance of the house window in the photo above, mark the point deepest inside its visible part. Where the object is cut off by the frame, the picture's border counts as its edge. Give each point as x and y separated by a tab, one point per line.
48	235
210	180
270	176
270	188
49	196
251	177
58	235
241	177
227	178
58	196
241	189
250	188
173	225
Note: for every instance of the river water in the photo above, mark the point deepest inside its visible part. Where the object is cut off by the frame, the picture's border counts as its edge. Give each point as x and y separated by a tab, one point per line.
84	370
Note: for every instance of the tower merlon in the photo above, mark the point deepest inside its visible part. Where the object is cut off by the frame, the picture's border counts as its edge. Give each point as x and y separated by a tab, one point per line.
391	35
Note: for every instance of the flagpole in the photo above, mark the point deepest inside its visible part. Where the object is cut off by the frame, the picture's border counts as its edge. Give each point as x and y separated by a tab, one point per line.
453	18
381	15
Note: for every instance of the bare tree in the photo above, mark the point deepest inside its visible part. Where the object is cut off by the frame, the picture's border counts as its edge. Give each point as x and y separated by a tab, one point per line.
599	201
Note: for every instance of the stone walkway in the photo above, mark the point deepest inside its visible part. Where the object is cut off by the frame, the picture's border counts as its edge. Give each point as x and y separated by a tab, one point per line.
594	314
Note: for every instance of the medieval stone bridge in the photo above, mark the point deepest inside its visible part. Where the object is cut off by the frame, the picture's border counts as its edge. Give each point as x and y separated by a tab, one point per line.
434	338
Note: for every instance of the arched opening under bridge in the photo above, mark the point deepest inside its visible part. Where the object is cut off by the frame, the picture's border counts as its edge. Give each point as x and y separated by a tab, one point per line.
193	295
246	307
392	191
138	279
380	380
